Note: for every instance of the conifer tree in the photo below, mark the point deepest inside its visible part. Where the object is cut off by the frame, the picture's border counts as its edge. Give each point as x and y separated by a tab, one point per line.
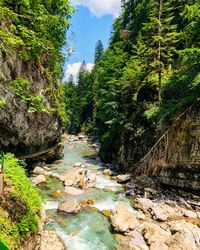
98	52
161	33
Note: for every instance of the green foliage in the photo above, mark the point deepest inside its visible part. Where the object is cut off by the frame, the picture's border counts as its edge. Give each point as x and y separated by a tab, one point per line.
29	33
98	52
147	75
36	31
22	204
35	101
2	103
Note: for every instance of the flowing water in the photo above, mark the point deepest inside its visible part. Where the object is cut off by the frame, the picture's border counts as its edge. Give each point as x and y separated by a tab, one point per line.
90	229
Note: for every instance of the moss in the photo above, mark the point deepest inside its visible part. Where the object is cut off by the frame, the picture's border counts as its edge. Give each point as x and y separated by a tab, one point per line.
20	205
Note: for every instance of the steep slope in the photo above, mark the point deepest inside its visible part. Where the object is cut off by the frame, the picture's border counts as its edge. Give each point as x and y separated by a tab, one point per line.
32	112
23	131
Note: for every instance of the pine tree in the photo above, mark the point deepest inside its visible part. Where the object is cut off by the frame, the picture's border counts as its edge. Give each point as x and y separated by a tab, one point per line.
161	33
98	52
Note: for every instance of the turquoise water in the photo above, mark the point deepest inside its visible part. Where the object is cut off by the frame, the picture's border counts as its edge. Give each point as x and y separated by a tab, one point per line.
90	229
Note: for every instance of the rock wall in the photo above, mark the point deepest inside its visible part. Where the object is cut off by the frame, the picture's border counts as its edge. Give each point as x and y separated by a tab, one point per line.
183	168
183	165
22	132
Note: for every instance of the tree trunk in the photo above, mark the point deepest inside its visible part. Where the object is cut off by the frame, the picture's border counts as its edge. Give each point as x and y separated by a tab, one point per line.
159	51
1	179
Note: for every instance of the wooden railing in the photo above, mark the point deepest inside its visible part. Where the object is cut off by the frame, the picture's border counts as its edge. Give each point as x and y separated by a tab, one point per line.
158	156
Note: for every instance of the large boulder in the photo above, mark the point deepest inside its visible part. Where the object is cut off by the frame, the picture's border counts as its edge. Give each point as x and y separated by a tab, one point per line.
70	206
79	178
77	165
123	219
76	178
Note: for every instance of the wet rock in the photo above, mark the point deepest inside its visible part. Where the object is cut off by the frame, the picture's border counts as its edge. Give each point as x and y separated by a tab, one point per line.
107	172
76	178
81	136
77	165
90	202
91	179
47	168
70	206
73	191
106	213
38	171
123	219
38	180
123	178
58	162
57	194
50	240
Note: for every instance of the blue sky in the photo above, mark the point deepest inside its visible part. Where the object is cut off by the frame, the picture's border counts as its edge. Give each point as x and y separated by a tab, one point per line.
91	22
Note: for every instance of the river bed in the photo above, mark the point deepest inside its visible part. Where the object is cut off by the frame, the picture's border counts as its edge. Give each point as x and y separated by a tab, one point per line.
90	229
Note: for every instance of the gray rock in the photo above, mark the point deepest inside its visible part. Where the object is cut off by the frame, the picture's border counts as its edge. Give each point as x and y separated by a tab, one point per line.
123	178
70	206
73	191
38	180
137	241
107	172
50	240
38	171
123	219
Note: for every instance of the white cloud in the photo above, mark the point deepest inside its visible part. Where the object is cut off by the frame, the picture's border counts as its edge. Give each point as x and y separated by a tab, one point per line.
73	69
101	7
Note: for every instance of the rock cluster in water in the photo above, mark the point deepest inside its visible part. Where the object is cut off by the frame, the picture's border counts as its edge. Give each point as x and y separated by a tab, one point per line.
156	221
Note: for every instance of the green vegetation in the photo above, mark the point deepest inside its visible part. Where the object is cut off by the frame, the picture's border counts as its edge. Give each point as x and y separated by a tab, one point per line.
20	204
36	31
2	103
148	75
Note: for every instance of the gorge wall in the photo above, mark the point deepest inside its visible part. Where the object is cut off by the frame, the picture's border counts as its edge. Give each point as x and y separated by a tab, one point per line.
182	169
21	130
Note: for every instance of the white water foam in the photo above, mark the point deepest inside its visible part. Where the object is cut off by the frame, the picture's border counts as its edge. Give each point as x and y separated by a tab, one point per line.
103	182
51	205
77	242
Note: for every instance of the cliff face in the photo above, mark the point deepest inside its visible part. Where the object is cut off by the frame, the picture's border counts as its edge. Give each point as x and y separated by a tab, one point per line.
21	131
184	152
182	169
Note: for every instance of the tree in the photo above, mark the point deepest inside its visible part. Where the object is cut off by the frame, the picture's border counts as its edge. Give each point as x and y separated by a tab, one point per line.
161	36
98	52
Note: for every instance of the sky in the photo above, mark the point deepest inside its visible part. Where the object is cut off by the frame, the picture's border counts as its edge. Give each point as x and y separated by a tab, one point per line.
91	22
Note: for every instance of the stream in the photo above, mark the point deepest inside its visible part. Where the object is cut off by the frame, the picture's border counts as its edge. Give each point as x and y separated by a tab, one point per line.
90	229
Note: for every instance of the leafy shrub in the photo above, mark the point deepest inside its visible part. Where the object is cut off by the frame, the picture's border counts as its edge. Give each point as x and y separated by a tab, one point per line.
20	206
